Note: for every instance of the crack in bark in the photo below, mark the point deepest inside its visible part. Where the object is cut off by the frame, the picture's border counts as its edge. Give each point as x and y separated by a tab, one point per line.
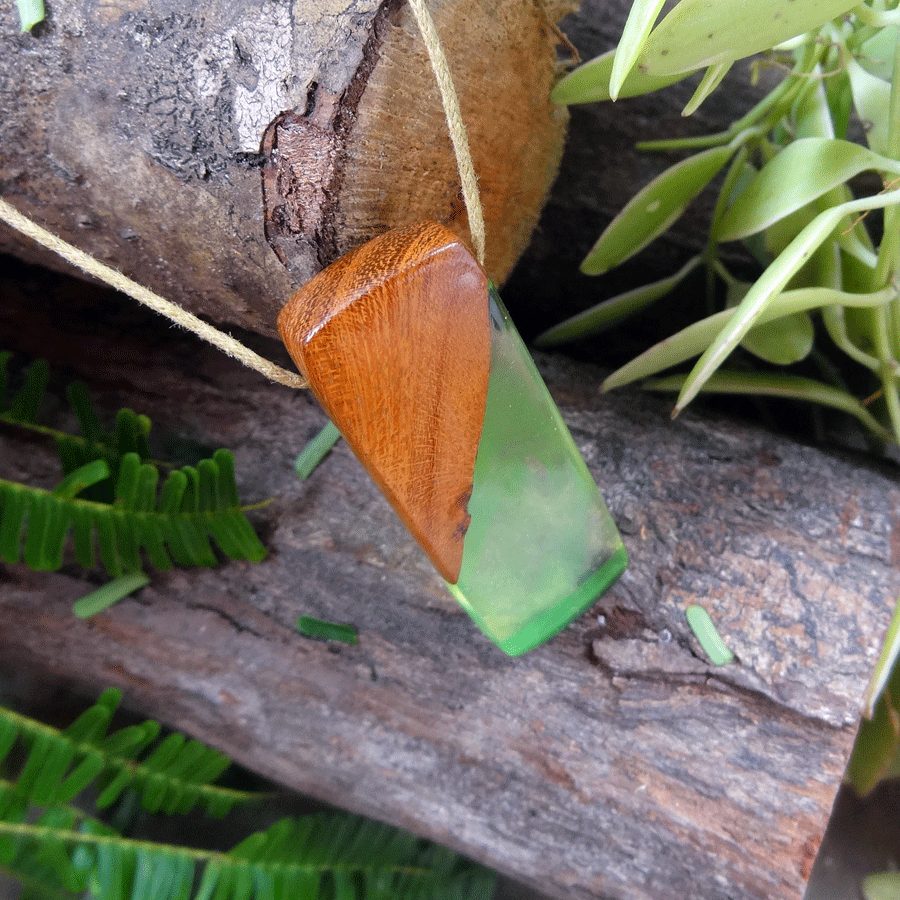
238	626
305	154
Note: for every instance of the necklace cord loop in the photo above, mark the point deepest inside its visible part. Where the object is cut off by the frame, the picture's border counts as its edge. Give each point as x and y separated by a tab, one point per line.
455	125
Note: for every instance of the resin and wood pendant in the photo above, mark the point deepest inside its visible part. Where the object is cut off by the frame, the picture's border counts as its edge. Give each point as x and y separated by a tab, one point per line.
407	346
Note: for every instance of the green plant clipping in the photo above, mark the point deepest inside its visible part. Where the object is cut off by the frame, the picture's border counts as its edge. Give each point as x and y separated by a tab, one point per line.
799	175
327	631
110	593
112	506
710	639
653	209
701	33
591	82
30	13
60	850
791	191
641	18
316	450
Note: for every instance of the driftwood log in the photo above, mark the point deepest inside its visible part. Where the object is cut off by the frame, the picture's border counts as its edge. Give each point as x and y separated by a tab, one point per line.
145	134
614	761
135	132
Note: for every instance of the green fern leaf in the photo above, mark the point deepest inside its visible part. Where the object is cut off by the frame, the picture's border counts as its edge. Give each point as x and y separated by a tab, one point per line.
83	477
63	851
81	404
13	512
336	856
175	777
27	403
194	505
131	434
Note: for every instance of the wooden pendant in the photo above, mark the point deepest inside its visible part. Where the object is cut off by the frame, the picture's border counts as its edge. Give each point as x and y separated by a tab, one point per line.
394	339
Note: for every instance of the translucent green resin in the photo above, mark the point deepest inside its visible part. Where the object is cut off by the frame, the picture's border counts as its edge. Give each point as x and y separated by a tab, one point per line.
541	545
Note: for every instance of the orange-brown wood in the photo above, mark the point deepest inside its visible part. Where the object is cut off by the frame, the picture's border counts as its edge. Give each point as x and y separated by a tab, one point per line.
394	339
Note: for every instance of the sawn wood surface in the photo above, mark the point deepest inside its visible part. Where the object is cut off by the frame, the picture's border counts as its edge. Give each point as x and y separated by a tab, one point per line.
613	762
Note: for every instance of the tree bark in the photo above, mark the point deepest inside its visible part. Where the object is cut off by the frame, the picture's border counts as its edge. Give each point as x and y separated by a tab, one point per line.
136	134
140	135
612	762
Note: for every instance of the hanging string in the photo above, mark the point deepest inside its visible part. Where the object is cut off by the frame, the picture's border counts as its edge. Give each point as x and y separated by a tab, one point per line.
455	124
120	282
220	339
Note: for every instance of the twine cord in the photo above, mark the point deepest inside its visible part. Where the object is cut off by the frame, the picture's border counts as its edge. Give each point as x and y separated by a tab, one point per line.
455	125
114	278
220	339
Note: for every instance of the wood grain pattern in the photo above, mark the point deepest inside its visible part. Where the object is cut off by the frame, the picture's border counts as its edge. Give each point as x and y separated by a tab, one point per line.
395	341
611	762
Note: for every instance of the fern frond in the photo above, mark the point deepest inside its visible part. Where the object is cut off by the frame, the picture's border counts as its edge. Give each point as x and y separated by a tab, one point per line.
173	778
47	867
320	856
195	504
130	433
25	406
62	850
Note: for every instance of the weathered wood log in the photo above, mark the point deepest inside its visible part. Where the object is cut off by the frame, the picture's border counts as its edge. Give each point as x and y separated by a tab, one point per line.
136	134
612	762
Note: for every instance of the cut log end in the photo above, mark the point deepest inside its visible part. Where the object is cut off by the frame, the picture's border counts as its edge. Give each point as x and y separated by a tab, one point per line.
348	168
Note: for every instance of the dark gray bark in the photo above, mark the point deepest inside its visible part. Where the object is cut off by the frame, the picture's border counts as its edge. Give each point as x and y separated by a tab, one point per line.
612	762
135	133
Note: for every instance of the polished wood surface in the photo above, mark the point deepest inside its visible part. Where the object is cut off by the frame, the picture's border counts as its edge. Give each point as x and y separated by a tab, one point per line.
395	341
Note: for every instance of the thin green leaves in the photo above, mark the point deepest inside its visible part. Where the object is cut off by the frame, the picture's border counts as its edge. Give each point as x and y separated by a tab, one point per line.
801	173
871	97
876	754
194	505
109	503
710	639
590	82
696	338
696	34
327	631
27	403
783	341
701	33
887	663
791	387
653	209
606	314
56	848
712	78
316	450
84	477
175	776
787	192
641	18
771	283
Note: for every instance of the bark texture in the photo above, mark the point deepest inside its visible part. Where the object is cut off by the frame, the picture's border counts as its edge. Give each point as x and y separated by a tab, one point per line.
134	130
613	762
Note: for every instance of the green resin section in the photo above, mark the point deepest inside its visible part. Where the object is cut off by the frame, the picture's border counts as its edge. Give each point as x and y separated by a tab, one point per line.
541	545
